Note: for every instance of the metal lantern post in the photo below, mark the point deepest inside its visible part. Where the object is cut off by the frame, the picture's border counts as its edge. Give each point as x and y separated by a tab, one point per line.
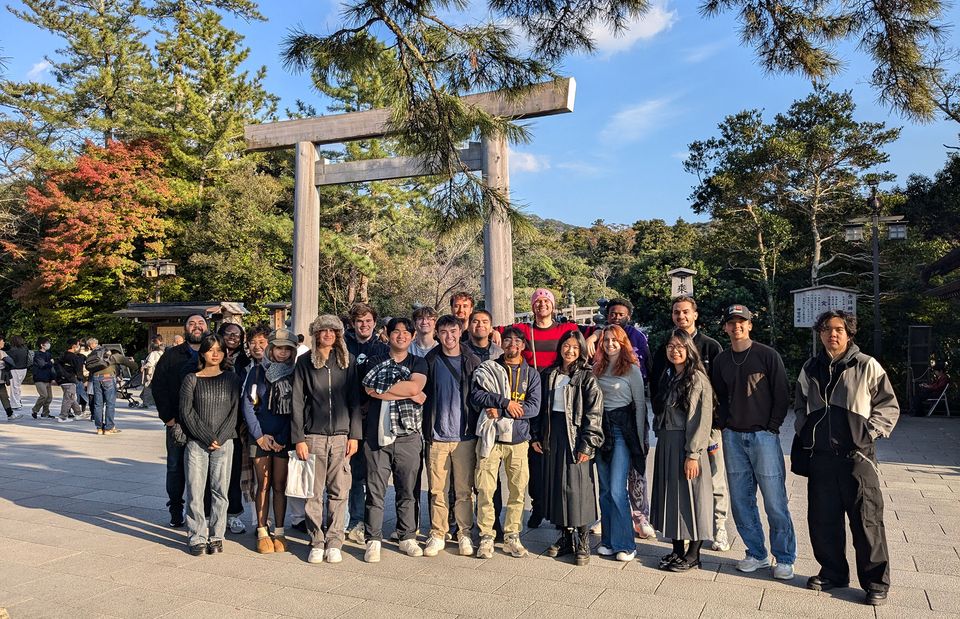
156	269
896	230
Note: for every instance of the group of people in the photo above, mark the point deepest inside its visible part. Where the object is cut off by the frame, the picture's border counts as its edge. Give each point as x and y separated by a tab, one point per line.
561	410
86	373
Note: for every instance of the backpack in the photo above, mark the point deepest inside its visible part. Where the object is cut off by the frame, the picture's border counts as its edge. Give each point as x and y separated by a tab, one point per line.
96	361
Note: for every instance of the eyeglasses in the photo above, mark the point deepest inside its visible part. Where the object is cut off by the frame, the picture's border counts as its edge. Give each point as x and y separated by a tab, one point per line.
675	347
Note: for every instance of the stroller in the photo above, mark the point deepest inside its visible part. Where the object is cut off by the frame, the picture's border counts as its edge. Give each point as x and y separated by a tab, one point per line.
126	380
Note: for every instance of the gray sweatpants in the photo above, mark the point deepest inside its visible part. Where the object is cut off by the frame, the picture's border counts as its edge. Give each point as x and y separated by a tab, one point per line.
69	402
718	474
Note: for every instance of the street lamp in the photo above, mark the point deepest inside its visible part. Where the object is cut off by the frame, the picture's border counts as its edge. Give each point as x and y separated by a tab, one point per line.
896	230
156	269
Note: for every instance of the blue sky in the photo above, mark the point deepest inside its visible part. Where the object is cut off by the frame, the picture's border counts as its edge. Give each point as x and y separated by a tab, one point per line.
640	101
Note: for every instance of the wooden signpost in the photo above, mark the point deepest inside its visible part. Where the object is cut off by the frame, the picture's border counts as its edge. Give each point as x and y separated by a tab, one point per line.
490	157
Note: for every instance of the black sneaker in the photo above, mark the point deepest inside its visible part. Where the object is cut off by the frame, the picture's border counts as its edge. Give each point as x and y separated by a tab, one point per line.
215	547
198	549
176	521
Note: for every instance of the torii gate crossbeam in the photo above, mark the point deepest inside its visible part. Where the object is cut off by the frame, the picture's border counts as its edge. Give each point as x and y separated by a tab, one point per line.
491	158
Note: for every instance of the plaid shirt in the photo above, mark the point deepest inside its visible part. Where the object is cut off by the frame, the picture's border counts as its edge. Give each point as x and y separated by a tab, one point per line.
406	416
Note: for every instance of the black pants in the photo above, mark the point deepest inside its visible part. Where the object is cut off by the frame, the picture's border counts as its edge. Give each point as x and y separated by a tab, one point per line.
404	459
838	486
535	462
5	399
176	477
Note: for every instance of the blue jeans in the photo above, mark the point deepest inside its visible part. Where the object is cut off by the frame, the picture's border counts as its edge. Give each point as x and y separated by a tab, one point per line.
104	401
202	464
756	459
615	519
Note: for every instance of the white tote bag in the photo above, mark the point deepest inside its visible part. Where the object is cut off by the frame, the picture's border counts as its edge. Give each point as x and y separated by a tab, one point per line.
300	475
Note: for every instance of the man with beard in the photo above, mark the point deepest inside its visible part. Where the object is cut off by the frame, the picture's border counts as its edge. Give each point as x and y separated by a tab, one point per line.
175	363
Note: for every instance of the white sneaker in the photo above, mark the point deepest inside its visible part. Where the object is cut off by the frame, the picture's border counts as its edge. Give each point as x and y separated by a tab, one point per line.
647	532
720	542
626	556
334	555
411	548
236	525
357	534
783	571
316	555
14	417
466	546
752	564
64	419
433	547
485	549
605	551
512	545
372	554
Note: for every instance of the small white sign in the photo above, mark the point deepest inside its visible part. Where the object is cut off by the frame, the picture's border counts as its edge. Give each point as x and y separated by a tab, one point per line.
809	303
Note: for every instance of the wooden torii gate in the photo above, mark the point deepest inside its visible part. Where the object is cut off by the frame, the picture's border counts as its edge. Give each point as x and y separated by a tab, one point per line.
489	156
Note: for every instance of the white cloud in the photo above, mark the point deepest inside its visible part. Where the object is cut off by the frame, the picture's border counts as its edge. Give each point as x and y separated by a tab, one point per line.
521	162
694	55
658	19
635	122
38	69
681	155
582	168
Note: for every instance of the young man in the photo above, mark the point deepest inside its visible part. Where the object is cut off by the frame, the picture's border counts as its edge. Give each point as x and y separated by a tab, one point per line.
173	366
364	346
69	371
507	390
541	336
750	383
684	314
618	313
393	445
479	331
105	386
327	422
425	321
461	306
852	393
449	429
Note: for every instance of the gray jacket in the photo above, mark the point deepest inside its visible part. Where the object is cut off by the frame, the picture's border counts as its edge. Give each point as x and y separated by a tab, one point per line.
854	383
696	420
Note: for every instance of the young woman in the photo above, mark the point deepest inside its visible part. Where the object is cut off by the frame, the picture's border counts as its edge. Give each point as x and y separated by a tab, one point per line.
209	404
568	432
682	505
267	407
624	431
43	376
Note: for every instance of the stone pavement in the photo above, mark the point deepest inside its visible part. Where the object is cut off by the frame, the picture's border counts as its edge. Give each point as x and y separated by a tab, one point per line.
83	534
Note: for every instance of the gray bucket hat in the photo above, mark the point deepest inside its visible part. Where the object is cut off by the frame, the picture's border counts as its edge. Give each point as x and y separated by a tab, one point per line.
283	337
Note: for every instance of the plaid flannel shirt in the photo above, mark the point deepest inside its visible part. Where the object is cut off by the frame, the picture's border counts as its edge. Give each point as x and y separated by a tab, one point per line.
406	416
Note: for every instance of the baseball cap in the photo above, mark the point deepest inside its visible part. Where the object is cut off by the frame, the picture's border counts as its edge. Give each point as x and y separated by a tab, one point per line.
737	311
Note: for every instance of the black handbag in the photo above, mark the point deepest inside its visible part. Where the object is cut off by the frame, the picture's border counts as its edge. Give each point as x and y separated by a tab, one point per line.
799	458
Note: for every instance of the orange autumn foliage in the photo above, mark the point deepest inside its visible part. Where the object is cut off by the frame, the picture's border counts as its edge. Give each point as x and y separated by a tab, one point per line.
99	217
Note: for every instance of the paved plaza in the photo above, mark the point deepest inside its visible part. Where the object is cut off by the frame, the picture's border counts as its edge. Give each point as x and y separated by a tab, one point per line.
83	534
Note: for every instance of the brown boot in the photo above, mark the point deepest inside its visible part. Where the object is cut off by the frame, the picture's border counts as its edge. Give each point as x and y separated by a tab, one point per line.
264	545
279	543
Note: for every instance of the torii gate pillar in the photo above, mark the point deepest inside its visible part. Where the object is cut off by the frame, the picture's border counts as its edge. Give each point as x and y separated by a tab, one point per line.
497	233
306	240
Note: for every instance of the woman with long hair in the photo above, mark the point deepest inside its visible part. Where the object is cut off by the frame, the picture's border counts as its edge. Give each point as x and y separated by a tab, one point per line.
568	433
682	505
624	432
209	404
268	407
